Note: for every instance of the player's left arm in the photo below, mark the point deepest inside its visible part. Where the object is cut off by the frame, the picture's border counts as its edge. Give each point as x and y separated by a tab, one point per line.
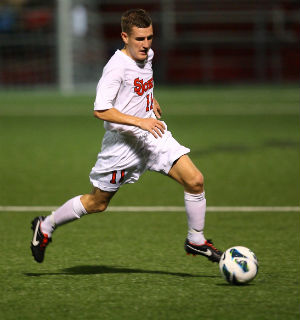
156	108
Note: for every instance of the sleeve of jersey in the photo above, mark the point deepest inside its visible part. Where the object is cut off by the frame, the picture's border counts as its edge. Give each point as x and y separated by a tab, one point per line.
107	89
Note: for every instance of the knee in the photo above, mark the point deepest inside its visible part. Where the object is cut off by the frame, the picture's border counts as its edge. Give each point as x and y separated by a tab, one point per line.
100	206
92	204
195	184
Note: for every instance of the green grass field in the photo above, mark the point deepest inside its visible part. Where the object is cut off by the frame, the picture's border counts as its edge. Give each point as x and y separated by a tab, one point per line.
119	265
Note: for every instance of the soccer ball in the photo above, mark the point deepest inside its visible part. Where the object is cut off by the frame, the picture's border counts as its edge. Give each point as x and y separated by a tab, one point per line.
238	265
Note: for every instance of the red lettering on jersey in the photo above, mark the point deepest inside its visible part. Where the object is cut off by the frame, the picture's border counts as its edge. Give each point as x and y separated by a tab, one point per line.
140	87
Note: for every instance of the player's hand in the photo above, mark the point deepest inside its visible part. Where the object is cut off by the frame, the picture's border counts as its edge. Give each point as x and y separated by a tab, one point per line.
154	126
156	109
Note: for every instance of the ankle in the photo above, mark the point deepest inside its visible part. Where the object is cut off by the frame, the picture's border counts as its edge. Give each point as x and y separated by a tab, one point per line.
196	237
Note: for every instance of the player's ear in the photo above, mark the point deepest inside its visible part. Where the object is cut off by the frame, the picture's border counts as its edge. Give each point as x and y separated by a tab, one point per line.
124	37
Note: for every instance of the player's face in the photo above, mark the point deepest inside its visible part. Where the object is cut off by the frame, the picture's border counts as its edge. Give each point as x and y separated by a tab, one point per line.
138	42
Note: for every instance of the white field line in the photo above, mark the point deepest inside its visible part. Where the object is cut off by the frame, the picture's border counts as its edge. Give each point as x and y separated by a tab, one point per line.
156	209
189	112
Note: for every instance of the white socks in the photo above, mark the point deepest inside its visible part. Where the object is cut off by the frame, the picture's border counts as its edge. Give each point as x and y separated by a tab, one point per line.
195	206
73	209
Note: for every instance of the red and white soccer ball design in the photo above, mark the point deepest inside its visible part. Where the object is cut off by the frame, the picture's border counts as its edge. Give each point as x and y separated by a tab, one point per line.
238	265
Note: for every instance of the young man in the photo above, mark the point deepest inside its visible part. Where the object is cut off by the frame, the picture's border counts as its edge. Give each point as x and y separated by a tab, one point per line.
135	141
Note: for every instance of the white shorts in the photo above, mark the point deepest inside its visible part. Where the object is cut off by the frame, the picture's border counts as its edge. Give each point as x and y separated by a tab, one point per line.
123	158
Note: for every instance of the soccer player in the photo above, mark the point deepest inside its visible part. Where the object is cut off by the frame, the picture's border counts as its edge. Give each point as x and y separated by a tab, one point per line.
135	140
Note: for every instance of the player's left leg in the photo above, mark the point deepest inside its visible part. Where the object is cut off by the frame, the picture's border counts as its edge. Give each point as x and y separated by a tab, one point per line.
187	174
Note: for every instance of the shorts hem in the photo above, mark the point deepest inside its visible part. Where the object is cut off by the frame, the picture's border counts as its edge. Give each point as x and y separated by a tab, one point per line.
105	188
183	153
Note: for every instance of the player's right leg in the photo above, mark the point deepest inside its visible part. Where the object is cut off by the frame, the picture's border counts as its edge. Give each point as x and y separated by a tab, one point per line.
73	209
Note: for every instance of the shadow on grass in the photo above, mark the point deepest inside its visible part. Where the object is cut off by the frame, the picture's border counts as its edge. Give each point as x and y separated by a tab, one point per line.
241	285
223	148
84	270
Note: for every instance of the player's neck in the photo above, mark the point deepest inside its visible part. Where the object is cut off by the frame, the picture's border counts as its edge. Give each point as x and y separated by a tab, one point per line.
125	51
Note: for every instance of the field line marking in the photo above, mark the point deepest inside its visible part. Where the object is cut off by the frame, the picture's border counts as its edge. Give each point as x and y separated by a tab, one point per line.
191	112
160	209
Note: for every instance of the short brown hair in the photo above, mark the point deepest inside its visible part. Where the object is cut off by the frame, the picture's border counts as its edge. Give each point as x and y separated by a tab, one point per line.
135	18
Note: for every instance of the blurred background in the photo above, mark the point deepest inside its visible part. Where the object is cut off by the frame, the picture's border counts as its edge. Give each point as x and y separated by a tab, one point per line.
65	43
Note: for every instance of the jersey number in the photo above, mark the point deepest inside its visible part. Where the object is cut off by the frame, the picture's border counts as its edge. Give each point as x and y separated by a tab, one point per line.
114	177
149	102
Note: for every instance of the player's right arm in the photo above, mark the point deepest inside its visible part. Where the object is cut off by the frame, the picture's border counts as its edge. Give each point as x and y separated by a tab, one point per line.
154	126
108	88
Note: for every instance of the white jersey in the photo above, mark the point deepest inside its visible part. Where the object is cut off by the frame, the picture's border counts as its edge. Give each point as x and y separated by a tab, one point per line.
128	151
128	87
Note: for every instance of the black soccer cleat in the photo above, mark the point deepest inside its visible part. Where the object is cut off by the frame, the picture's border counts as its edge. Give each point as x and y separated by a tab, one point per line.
207	250
39	241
